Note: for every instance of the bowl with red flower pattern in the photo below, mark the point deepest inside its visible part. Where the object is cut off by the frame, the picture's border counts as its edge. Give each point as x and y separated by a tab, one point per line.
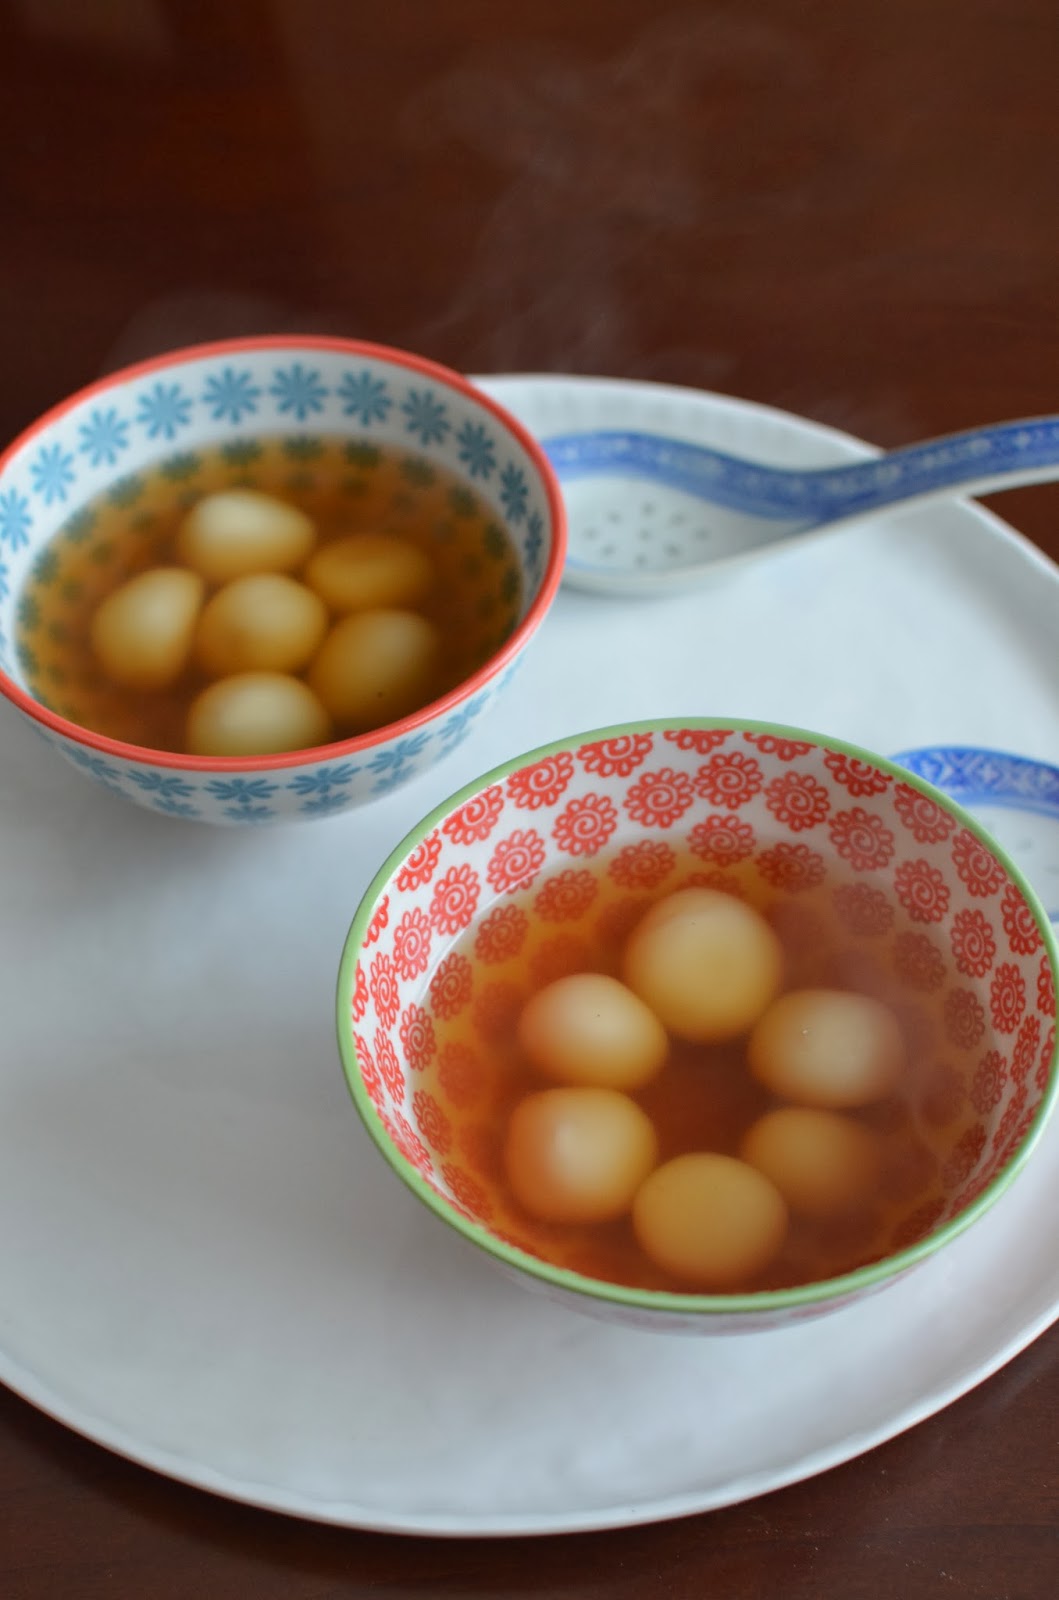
701	1025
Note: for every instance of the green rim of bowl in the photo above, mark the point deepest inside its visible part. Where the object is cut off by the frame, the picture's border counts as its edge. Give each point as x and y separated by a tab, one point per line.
802	1296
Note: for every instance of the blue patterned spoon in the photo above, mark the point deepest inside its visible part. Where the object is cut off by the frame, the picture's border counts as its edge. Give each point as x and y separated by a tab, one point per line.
696	507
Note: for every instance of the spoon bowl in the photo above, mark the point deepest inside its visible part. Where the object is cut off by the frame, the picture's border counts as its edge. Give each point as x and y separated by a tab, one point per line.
652	512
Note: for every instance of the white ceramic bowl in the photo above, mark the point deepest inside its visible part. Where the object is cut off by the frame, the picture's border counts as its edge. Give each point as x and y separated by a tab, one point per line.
905	880
230	395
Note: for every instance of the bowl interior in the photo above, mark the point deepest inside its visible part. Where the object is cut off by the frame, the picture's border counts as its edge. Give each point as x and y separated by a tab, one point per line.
529	874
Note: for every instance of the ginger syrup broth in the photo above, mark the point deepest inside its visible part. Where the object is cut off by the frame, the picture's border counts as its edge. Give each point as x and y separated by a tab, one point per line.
346	487
469	1072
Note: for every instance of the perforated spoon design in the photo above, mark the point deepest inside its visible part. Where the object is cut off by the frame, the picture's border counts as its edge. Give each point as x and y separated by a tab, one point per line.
759	505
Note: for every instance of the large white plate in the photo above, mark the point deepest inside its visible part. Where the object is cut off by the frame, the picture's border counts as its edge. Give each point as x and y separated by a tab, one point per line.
203	1263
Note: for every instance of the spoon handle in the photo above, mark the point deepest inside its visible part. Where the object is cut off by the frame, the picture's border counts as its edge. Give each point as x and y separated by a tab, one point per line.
976	462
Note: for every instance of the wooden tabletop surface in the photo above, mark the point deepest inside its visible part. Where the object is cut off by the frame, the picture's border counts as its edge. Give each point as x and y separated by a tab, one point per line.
840	207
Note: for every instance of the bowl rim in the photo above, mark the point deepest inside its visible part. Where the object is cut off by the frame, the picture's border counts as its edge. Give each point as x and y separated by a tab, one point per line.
807	1297
340	748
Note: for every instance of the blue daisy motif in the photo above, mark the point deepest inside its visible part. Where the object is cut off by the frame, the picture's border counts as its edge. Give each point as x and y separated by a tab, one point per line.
427	420
534	543
321	804
53	472
173	808
15	519
477	451
165	786
243	791
249	813
400	754
458	725
5	586
164	410
297	390
324	779
364	397
94	764
513	491
103	437
231	395
390	780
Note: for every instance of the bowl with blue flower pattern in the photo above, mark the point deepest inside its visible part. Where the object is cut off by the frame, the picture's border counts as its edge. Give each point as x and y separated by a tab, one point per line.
357	443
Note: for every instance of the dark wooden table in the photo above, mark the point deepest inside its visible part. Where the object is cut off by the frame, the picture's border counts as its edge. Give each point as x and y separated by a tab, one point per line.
842	207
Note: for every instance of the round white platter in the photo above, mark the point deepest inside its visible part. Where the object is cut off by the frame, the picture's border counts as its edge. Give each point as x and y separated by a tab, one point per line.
204	1264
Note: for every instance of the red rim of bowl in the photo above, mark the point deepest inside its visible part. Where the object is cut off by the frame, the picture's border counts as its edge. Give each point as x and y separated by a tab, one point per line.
341	747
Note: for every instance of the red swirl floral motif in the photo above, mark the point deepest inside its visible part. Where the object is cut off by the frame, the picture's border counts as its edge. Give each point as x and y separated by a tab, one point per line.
973	945
1045	986
987	1086
419	868
468	1193
923	817
782	749
658	799
964	1157
795	798
380	917
1007	997
723	840
516	861
477	818
389	1066
411	943
1024	936
922	891
944	1097
558	957
359	1001
699	740
862	839
408	1142
918	1225
976	1187
455	898
495	1012
385	994
1044	1065
791	866
476	1142
566	896
919	961
643	865
460	1073
729	778
433	1124
417	1037
979	871
723	881
863	909
369	1072
451	986
1016	1134
964	1018
1025	1053
615	923
542	783
585	824
861	778
1004	1140
617	757
501	934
